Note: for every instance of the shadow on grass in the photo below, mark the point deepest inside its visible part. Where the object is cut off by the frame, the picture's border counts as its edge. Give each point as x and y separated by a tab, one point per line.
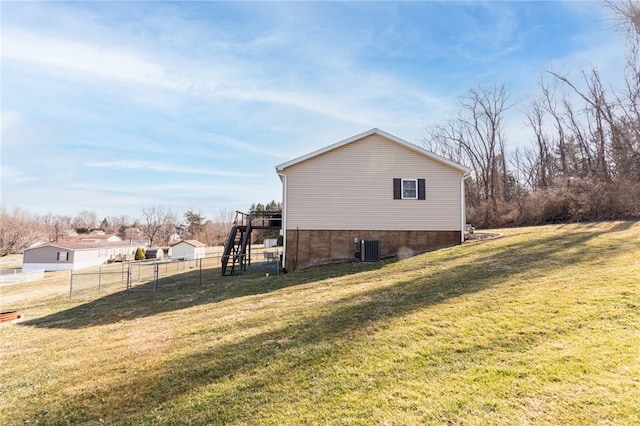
320	337
619	225
189	289
624	225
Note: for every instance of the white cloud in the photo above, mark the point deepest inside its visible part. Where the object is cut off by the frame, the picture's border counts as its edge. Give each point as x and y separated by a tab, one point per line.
11	175
166	168
343	90
89	59
246	147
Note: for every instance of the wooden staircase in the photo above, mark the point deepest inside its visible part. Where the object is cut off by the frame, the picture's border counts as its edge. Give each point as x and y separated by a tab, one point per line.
235	258
237	249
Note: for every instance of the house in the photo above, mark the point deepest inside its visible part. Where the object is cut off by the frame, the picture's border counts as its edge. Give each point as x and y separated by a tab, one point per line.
372	186
135	237
68	255
154	253
188	249
94	238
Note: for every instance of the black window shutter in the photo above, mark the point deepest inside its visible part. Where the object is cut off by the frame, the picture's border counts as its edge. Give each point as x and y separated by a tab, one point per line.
421	189
397	188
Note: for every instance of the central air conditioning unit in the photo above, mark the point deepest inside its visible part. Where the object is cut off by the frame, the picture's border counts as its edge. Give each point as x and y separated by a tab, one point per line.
369	250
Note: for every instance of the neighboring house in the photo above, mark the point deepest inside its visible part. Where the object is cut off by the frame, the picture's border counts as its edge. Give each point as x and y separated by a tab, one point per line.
188	249
95	238
372	186
73	255
135	237
154	253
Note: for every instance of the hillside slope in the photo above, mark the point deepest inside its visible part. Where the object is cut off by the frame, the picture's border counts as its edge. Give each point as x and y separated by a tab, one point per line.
539	326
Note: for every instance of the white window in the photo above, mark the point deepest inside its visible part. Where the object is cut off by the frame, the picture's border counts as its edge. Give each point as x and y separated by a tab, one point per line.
63	256
409	189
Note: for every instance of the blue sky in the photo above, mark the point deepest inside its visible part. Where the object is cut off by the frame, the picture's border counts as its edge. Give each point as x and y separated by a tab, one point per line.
112	106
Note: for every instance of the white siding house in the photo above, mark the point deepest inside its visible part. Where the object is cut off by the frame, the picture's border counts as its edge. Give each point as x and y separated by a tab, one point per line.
371	186
73	256
188	249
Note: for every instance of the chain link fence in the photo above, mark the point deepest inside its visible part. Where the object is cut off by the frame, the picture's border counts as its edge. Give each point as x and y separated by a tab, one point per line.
151	275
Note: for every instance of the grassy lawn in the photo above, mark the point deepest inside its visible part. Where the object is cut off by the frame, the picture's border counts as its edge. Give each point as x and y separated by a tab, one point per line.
540	326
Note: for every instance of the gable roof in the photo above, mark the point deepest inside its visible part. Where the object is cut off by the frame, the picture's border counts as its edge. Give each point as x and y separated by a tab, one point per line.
75	245
465	170
194	243
92	238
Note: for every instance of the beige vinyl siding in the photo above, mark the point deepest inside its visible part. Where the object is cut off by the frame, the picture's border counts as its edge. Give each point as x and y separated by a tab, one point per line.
351	187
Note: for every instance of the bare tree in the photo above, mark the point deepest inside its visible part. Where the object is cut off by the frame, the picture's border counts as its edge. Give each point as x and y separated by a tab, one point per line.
476	137
601	122
210	234
50	226
85	220
18	229
120	224
584	162
535	120
626	150
525	166
216	231
157	221
549	102
583	158
627	16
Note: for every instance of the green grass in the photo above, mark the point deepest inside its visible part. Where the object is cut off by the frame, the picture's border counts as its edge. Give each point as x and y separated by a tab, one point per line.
540	326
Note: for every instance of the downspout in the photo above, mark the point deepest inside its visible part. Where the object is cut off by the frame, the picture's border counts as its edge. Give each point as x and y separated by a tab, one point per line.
463	211
283	179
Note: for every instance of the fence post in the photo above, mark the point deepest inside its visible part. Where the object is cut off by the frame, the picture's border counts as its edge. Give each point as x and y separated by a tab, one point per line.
100	278
129	277
200	271
156	267
71	285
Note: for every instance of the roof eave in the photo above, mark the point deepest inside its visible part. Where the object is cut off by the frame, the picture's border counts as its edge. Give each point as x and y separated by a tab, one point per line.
465	170
328	148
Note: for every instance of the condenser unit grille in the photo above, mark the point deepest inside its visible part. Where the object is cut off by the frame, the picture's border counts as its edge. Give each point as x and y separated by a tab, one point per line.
370	250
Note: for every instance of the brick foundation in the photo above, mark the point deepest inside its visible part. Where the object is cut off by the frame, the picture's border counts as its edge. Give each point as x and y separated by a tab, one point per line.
312	247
